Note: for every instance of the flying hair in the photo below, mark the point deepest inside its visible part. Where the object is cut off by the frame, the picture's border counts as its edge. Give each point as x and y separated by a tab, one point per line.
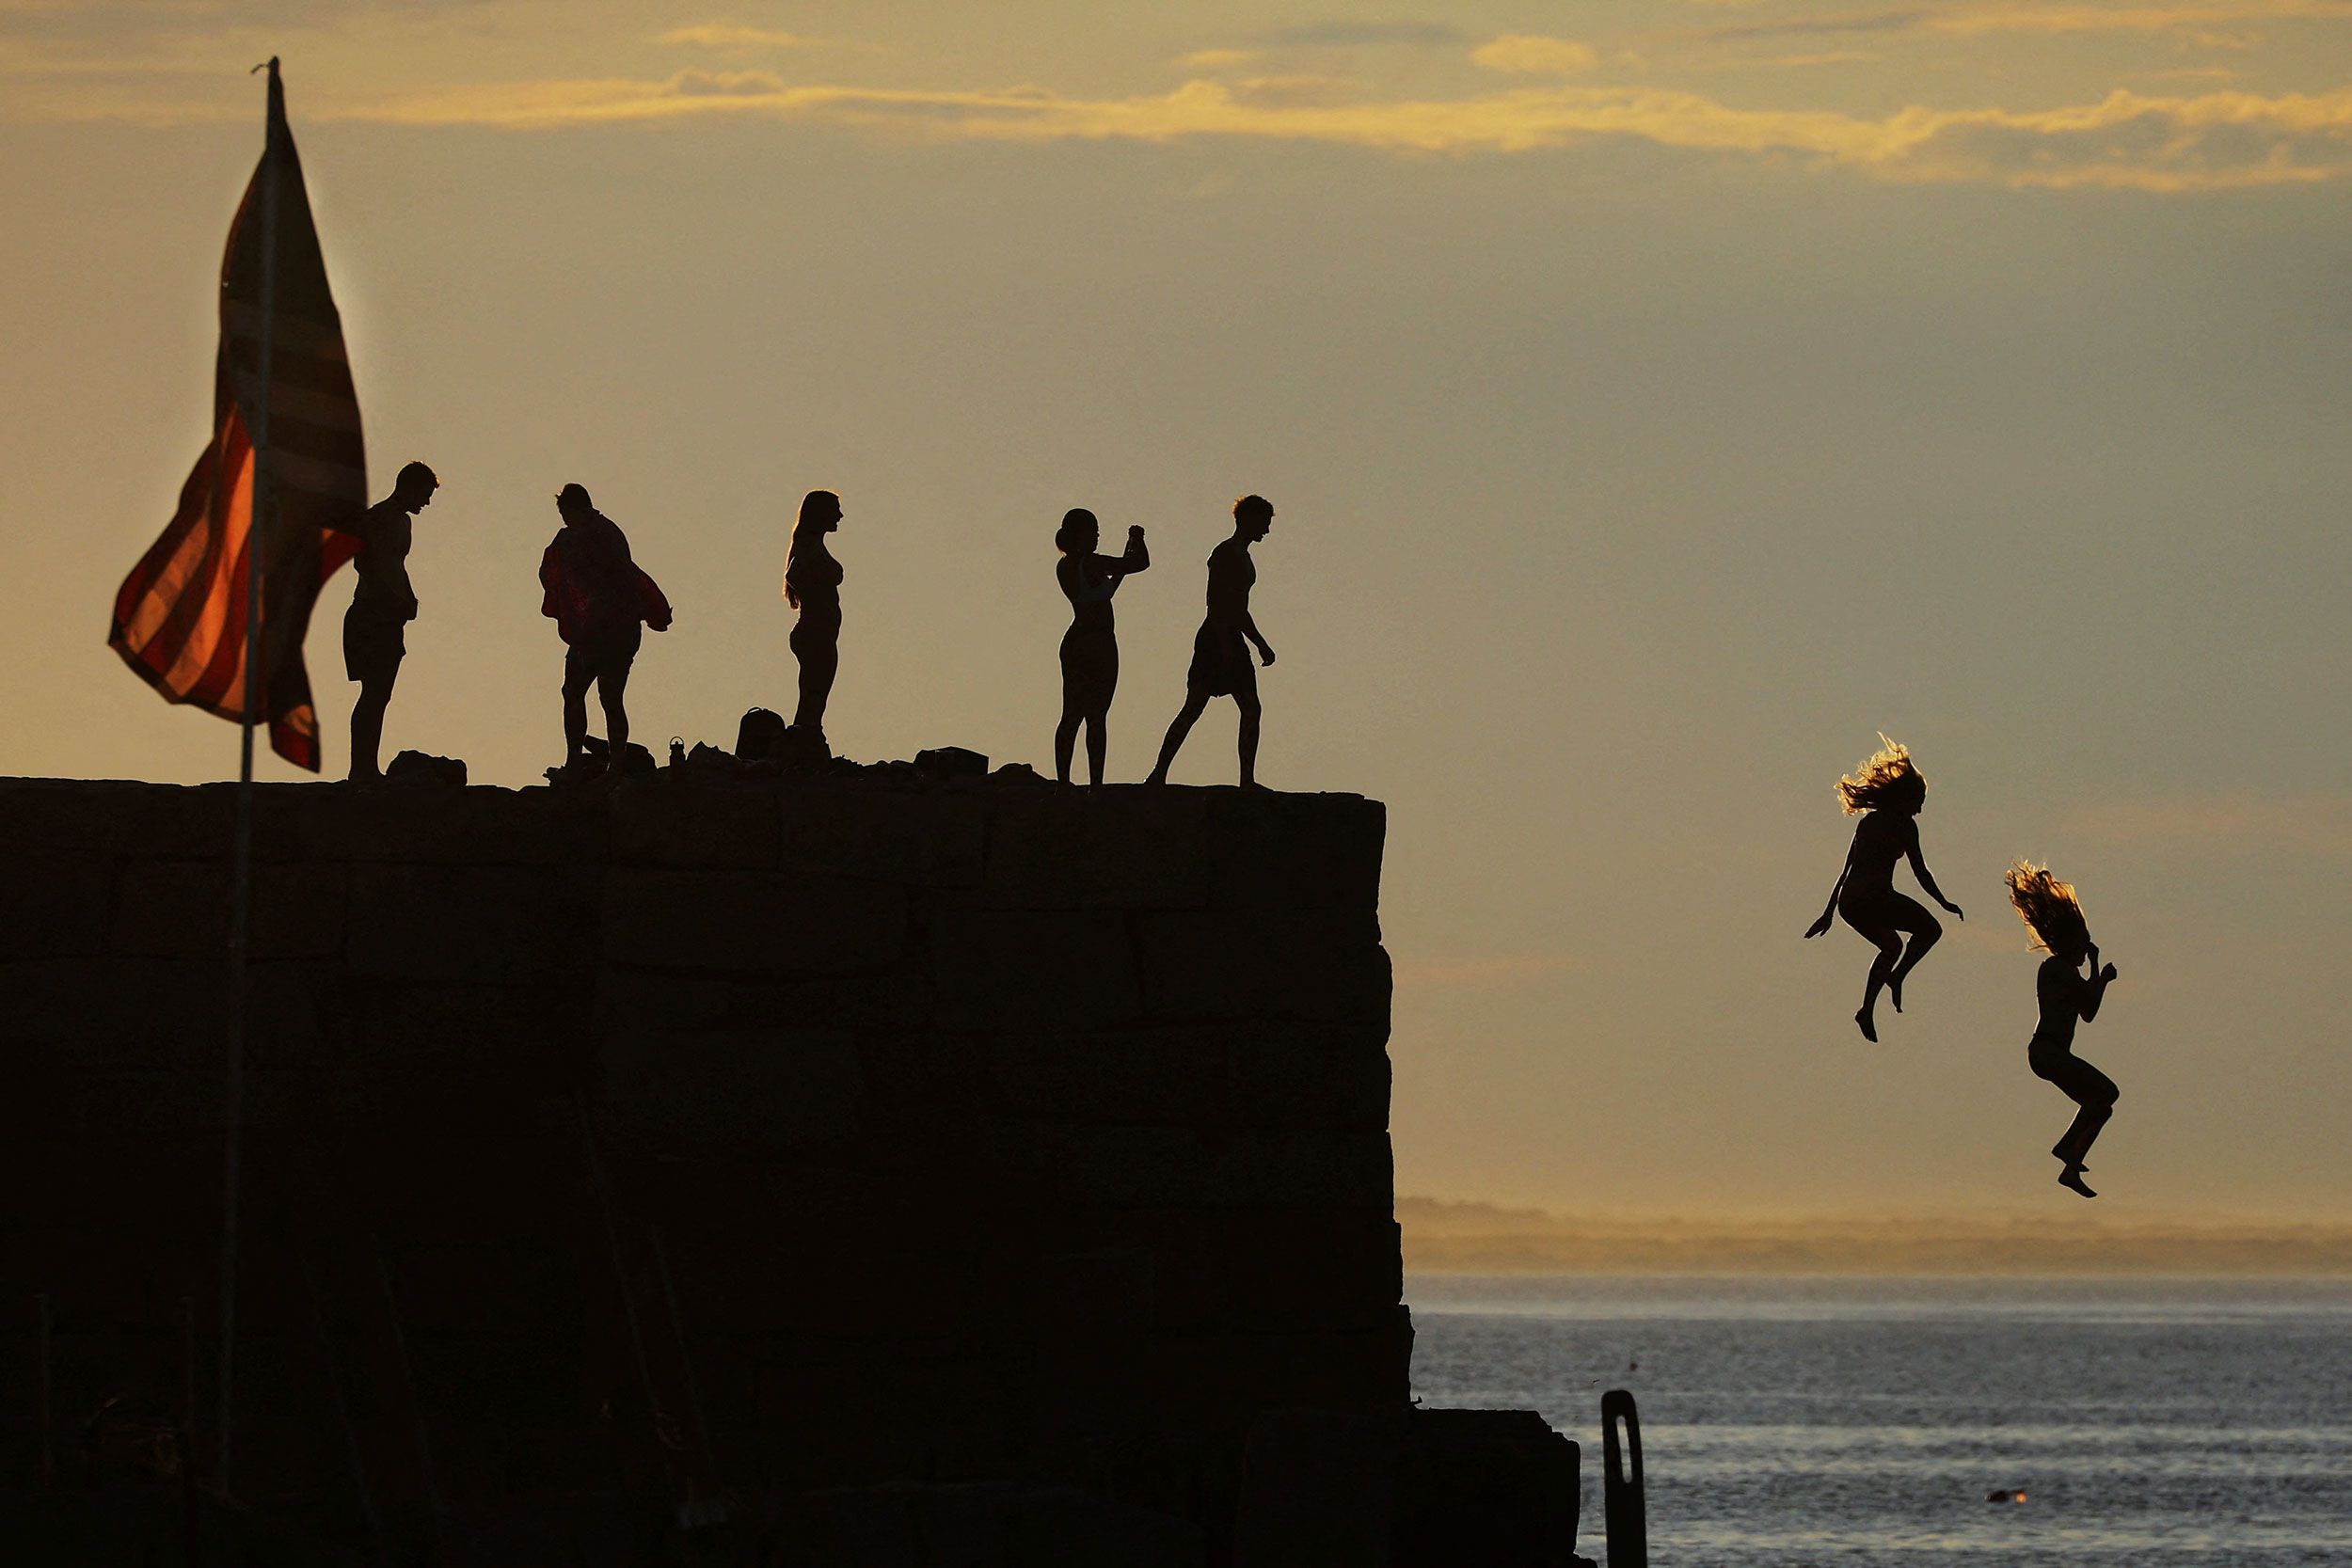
2052	914
1883	776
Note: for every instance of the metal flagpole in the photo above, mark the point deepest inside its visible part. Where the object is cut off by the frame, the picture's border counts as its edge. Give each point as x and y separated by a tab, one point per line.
241	869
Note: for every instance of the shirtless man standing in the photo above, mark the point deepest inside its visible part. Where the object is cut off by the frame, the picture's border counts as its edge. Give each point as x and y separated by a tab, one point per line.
1220	650
375	626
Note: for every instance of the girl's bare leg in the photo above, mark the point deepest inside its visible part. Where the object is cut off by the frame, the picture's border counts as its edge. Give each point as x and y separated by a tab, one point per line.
1890	946
1178	728
1098	746
1921	940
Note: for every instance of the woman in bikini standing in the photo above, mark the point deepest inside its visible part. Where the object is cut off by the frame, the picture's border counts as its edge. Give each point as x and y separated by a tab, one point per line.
812	585
1089	649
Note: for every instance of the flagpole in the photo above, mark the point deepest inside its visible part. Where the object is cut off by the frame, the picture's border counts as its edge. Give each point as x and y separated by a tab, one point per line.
241	869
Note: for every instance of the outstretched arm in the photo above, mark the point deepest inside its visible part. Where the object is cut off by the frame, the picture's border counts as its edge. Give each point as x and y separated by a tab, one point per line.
1927	879
1829	909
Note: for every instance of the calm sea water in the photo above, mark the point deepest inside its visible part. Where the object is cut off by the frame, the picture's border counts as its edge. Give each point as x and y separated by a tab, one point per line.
1793	1422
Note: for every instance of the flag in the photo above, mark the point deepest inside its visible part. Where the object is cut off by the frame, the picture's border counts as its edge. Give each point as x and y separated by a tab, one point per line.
180	618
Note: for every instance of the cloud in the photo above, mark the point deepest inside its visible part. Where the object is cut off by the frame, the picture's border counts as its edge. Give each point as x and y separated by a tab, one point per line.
1219	59
1896	21
2062	18
2125	141
2058	17
1276	93
725	83
724	35
1533	56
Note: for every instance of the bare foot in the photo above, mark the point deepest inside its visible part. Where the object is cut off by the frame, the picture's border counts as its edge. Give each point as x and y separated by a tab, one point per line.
1868	1024
2071	1178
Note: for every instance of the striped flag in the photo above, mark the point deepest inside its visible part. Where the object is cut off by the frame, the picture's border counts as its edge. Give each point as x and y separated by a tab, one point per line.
180	618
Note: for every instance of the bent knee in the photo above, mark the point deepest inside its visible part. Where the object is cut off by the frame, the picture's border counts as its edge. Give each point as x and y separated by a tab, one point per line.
1930	930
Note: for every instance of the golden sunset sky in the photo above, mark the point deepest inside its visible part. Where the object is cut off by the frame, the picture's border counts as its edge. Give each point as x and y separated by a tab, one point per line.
1658	398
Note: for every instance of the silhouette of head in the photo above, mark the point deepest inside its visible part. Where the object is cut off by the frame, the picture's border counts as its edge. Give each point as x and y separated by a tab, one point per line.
821	513
2052	912
413	489
1886	781
572	502
1253	517
1079	533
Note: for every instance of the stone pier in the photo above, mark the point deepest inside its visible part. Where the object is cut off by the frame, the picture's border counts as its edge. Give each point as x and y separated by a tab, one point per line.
845	1172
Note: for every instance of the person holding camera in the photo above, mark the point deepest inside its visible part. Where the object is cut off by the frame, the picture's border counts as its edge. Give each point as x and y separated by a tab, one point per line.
1089	649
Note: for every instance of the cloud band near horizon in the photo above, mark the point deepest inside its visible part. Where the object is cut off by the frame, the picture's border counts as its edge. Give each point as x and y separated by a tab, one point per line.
2127	140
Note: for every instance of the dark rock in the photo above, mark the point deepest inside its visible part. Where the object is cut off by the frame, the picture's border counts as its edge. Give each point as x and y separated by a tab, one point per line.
1069	970
54	906
709	760
951	762
1318	1490
1326	967
834	828
1485	1486
1123	848
736	1132
705	821
484	922
181	908
751	924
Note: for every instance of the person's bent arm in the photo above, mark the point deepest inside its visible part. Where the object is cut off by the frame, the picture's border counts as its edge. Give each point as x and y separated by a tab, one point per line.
1089	580
2095	988
1250	629
1927	879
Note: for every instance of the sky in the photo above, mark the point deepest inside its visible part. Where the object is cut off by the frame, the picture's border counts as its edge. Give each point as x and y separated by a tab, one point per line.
1658	402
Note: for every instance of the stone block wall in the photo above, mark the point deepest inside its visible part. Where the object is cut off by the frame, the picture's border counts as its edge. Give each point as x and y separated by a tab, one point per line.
624	1160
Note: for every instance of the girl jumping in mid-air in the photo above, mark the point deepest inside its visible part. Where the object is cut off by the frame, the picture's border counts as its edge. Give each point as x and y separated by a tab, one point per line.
2055	917
1886	794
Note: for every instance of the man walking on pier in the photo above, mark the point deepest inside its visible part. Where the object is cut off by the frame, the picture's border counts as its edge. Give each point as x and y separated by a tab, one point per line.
375	627
1220	650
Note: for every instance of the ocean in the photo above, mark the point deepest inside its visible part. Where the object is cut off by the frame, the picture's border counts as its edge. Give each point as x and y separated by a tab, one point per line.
1802	1422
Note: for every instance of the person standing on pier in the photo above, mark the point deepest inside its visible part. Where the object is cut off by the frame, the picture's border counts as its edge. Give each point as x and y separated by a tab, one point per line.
2054	918
1887	794
376	637
812	585
601	602
1220	650
1089	649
